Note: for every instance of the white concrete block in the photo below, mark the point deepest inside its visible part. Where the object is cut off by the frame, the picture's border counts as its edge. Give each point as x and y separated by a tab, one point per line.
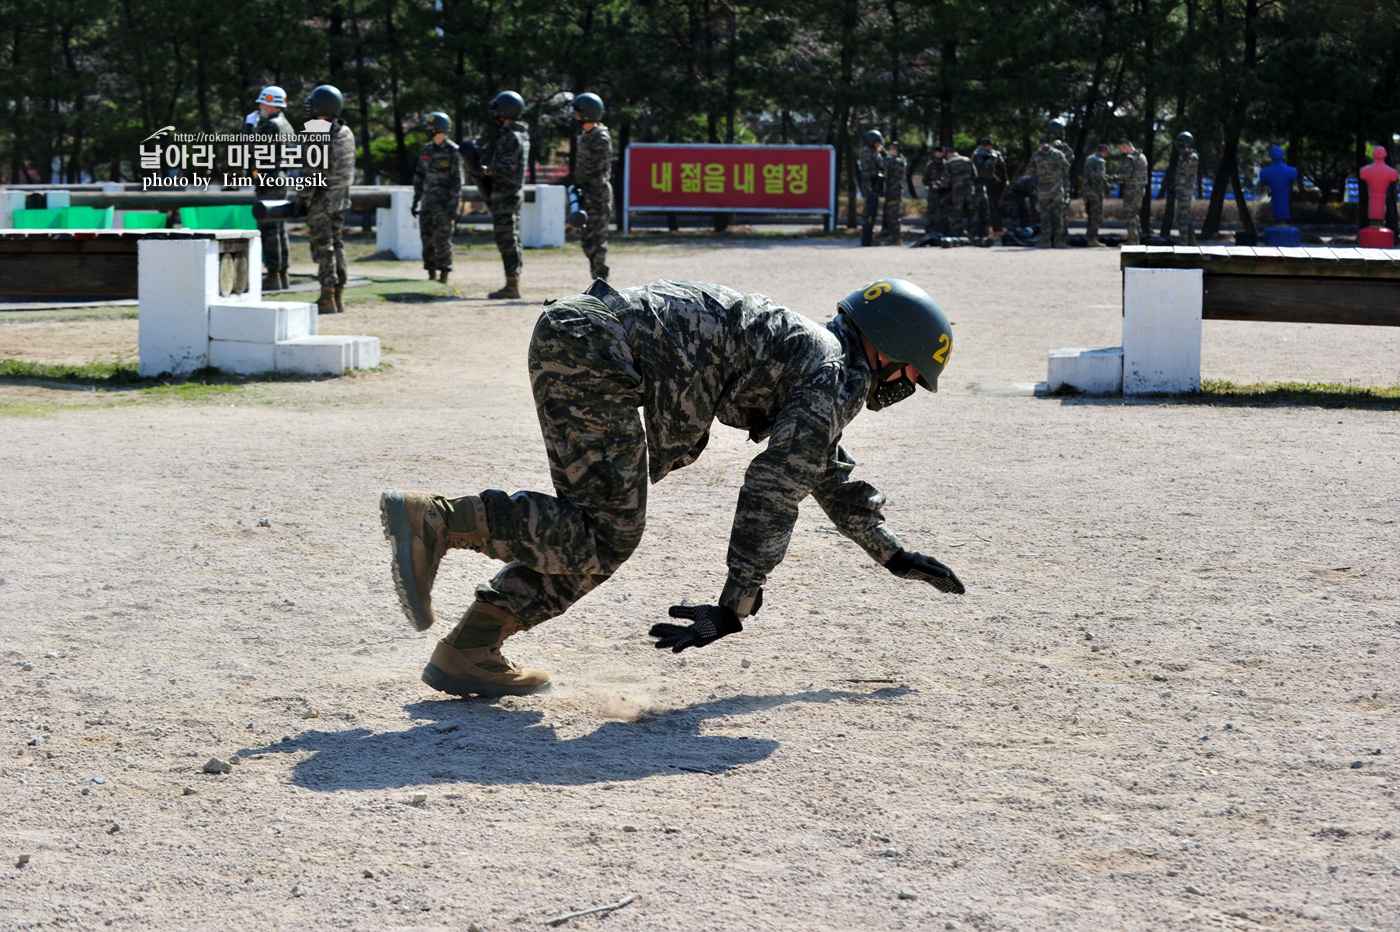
10	201
242	358
1092	371
1161	331
255	277
364	352
177	280
261	321
542	221
315	355
56	199
396	229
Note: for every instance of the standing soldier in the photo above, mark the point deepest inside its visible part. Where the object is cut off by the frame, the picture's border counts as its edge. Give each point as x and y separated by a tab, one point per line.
870	174
1050	170
935	181
506	173
437	187
593	176
325	212
627	386
275	247
989	169
1096	179
894	167
958	175
1132	180
1188	165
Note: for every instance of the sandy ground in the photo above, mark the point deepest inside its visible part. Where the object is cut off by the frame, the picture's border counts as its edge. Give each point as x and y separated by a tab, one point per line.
1168	700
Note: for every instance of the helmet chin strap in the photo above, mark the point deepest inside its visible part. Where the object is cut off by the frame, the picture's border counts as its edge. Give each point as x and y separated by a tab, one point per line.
885	391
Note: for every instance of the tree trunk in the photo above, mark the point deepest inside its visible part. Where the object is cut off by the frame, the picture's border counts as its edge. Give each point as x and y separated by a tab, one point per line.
1149	108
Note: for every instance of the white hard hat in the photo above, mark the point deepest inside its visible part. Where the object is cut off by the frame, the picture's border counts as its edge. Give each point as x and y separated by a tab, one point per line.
272	96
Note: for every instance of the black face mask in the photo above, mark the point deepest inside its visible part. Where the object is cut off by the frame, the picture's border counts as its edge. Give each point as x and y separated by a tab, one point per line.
883	394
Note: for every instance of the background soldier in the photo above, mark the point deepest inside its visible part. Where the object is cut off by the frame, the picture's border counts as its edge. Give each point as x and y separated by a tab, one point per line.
1096	179
325	212
276	249
894	167
1188	165
989	169
596	359
1019	203
593	176
1132	181
506	171
936	215
958	174
870	174
1050	170
437	187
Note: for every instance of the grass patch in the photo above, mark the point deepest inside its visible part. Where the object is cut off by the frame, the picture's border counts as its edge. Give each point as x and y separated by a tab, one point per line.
120	312
1310	394
109	374
393	290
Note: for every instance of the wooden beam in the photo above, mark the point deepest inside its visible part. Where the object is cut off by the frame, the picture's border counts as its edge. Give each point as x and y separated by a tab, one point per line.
1294	299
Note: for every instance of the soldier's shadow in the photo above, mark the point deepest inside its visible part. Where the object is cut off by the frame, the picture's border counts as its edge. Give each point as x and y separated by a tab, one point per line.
483	743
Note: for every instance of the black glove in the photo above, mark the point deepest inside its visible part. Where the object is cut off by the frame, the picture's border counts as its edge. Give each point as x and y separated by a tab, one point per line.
414	209
711	622
910	565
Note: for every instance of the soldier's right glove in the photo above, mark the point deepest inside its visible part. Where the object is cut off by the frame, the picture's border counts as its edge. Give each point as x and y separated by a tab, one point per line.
414	209
710	623
910	565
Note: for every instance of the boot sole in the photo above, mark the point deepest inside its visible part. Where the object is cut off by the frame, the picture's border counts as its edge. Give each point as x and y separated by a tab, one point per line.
471	686
399	533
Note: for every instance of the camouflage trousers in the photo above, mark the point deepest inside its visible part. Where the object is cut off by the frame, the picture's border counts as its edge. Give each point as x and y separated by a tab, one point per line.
505	226
894	215
1093	212
981	211
1132	213
325	224
871	209
962	209
936	213
1185	226
1054	221
436	226
595	237
587	395
275	246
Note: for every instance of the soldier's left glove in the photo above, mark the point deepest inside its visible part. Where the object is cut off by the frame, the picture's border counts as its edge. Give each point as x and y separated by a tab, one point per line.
710	623
910	565
414	209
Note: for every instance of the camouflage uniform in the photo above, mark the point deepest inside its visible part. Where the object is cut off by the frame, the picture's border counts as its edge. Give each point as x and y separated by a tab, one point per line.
988	169
437	187
936	213
593	172
1050	171
1095	187
1132	181
687	354
509	156
1068	152
1018	201
275	245
1188	166
869	166
962	207
325	215
894	166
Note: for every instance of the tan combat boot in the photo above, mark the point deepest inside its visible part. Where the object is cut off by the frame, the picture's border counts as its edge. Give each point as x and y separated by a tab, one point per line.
416	526
1092	235
469	662
340	299
442	276
511	289
325	304
270	281
282	281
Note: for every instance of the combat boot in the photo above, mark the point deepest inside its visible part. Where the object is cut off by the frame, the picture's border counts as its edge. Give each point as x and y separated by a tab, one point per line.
1092	235
511	289
1061	241
469	662
421	528
603	272
270	281
340	299
282	281
442	276
325	304
432	275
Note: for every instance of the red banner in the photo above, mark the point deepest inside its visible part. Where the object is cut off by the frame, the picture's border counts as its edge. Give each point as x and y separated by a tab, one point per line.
795	179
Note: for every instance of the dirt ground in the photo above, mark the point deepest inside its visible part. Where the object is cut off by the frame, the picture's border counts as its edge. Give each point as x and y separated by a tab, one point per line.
1168	700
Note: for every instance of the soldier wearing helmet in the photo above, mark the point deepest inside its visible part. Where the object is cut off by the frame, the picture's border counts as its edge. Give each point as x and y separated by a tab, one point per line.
328	203
505	177
272	100
593	180
628	385
1188	166
870	173
437	195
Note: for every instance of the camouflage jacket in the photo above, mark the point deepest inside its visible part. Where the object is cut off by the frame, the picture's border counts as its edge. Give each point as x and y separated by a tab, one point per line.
275	125
1134	172
868	168
593	164
708	353
1050	171
1095	176
894	167
510	154
989	165
933	174
1187	168
958	173
340	173
438	179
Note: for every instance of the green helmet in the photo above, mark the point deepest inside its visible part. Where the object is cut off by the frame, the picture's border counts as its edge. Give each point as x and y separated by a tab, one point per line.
874	136
1185	140
438	122
904	324
325	100
590	107
507	105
